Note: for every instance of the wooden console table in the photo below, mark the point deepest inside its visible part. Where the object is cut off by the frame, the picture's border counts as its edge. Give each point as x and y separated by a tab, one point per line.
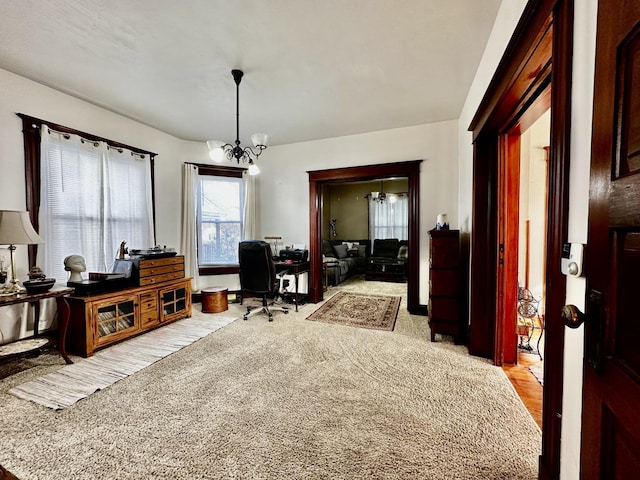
30	344
105	318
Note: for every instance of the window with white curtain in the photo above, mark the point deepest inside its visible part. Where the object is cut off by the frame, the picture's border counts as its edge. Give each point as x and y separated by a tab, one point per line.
93	197
220	218
389	219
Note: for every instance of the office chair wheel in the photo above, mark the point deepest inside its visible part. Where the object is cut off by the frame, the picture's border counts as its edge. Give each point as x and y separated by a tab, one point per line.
244	317
286	311
270	317
248	309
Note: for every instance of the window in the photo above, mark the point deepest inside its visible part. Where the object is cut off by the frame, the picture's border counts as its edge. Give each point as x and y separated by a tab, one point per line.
85	195
93	197
389	219
220	214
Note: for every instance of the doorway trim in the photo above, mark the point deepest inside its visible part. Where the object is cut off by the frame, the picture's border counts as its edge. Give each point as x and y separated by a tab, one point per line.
542	40
317	180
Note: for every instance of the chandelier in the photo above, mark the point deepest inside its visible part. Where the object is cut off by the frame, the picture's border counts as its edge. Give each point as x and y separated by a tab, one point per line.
219	151
380	196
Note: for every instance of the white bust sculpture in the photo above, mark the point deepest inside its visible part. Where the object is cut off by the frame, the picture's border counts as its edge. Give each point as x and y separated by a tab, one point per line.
75	264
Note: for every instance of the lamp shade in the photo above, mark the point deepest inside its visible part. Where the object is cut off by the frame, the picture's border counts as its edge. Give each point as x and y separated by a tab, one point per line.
253	169
216	154
16	229
260	140
211	144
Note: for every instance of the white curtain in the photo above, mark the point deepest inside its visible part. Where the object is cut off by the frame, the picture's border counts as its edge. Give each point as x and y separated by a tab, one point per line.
249	213
92	198
189	237
389	219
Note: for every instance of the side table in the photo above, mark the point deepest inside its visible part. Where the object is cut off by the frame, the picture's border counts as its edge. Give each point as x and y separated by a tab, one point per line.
214	300
24	345
295	269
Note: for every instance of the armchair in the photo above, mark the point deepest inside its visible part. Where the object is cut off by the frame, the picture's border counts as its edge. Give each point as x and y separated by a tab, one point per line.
258	277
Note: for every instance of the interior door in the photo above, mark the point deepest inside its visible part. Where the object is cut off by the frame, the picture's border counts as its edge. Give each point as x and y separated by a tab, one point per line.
506	339
611	391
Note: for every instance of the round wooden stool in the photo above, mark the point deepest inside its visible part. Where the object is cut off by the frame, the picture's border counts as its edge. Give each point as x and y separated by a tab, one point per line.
214	300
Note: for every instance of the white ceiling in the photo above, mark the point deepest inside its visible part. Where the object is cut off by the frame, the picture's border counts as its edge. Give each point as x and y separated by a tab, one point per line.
313	68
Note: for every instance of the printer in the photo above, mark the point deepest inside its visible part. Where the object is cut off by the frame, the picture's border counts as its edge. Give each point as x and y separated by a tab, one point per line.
294	254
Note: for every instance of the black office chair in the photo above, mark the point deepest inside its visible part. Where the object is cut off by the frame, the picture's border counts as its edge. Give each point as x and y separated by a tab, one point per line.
258	277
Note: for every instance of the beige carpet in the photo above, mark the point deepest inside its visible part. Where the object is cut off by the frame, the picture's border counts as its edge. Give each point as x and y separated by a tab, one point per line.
359	310
288	399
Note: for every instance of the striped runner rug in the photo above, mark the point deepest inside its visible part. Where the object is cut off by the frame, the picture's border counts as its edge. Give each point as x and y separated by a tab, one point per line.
64	387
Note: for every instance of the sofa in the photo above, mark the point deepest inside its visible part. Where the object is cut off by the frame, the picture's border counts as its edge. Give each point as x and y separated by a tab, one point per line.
388	260
344	258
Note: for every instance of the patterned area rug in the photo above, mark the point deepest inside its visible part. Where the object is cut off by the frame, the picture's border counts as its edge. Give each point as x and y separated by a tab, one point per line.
359	310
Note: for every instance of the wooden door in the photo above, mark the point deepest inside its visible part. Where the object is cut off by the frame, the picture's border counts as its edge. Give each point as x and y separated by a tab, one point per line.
611	391
506	339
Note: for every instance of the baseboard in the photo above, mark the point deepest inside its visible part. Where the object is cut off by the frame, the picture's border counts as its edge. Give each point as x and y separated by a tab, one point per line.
420	310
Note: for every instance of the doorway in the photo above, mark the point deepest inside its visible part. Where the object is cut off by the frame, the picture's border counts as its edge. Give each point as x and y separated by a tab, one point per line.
536	63
318	179
532	246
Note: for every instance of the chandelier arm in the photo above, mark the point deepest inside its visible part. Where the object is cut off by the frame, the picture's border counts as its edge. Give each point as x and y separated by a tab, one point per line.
249	151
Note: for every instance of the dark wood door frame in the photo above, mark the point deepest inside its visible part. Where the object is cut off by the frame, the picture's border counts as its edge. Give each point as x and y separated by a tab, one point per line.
317	180
508	158
546	26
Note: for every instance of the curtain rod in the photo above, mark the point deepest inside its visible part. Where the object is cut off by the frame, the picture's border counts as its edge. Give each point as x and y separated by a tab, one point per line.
95	143
94	138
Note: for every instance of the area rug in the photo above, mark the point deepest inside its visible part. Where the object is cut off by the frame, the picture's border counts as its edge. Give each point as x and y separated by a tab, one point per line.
63	388
538	372
377	312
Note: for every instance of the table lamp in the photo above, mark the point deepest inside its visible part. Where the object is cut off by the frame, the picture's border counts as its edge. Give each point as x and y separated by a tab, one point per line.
16	229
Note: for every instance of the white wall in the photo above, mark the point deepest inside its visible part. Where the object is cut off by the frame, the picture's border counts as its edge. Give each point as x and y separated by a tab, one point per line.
506	20
20	95
284	183
582	98
581	112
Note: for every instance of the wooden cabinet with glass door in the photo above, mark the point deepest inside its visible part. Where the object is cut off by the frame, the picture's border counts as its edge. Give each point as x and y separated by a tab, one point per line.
114	319
103	319
175	300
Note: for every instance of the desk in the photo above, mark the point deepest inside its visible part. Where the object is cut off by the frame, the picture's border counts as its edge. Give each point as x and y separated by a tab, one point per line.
295	269
13	349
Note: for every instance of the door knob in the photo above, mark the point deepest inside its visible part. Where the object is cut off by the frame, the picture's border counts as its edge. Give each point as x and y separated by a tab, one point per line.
573	317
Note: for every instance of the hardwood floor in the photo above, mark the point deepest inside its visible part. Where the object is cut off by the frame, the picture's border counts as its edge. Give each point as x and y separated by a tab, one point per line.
527	386
6	474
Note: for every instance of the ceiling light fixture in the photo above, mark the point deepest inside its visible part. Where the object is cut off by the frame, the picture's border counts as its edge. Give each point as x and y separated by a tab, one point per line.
219	151
380	196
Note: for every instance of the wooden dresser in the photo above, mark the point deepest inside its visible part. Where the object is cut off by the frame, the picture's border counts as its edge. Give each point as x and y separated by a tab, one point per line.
445	285
150	271
161	295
